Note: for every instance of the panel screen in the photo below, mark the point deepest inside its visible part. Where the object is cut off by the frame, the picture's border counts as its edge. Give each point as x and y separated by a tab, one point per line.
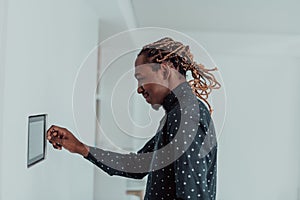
36	139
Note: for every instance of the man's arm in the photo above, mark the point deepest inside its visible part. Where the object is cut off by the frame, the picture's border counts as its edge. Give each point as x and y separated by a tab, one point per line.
127	165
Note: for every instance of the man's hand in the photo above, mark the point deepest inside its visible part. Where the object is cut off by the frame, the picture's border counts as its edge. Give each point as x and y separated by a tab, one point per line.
61	137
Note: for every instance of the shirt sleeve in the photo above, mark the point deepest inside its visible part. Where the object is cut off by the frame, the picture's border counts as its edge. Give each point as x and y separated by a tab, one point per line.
133	165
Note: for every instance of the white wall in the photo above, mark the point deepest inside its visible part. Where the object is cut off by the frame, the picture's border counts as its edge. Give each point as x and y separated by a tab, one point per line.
46	43
114	16
111	135
259	147
3	23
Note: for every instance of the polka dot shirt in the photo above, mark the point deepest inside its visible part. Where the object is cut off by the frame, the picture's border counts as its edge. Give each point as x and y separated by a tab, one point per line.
180	160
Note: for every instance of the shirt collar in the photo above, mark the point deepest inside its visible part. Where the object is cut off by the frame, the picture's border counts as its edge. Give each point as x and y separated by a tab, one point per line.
171	100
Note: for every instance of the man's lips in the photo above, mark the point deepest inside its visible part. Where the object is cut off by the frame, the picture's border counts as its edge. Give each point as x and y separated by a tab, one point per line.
146	94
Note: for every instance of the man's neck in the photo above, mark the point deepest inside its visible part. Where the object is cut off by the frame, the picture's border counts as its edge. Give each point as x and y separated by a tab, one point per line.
173	84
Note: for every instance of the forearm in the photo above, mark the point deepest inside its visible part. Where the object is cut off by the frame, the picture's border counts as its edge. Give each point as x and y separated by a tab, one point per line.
117	164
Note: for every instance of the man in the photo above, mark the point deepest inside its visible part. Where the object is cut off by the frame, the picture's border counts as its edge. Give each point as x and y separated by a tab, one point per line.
180	160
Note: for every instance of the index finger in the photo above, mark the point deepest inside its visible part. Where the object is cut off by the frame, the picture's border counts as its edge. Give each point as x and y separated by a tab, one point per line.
55	131
50	131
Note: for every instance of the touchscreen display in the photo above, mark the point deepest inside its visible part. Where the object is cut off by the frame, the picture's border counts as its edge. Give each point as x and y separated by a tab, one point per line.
36	139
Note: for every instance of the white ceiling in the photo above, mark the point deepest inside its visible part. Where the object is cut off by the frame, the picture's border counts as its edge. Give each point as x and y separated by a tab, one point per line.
262	26
239	16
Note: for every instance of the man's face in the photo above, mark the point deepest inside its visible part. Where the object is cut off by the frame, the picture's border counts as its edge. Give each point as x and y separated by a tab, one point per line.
152	84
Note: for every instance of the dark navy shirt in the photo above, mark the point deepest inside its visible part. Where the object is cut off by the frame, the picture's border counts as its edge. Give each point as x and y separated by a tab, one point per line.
180	160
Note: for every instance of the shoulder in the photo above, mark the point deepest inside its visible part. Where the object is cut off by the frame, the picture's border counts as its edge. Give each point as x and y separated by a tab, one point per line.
197	112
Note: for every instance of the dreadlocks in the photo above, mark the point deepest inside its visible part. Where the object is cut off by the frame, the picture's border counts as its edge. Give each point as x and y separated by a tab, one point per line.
168	50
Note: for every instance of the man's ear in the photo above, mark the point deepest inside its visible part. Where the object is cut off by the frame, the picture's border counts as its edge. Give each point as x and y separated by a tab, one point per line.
165	70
